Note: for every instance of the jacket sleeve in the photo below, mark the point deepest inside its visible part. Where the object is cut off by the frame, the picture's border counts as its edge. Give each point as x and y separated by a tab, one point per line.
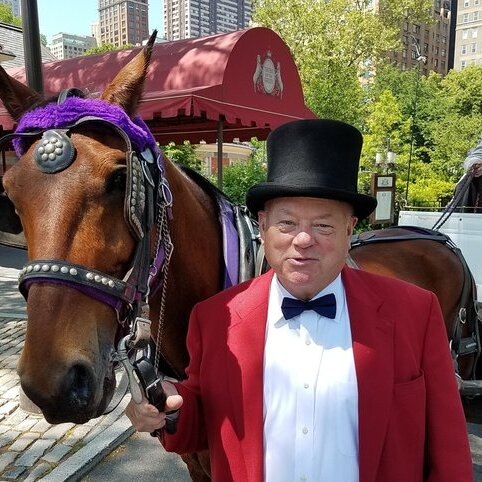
190	435
448	452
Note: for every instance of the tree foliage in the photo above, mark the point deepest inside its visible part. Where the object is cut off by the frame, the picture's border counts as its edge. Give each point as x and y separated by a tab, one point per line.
440	121
184	154
239	177
6	16
107	48
335	42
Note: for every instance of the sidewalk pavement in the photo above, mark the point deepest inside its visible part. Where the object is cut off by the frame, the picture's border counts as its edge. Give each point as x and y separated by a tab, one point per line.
30	448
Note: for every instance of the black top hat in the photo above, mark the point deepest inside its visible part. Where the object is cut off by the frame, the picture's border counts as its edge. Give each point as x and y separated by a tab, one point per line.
313	158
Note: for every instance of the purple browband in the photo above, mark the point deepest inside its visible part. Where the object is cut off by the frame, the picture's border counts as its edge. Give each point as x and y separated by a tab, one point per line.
63	115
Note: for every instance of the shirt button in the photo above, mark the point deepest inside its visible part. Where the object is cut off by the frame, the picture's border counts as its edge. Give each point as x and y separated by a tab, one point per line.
306	385
305	430
308	342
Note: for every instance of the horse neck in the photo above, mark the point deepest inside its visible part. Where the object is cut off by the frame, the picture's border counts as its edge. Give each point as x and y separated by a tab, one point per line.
195	271
195	221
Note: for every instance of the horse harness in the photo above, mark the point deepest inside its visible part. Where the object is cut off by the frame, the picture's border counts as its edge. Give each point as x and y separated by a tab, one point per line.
147	210
460	346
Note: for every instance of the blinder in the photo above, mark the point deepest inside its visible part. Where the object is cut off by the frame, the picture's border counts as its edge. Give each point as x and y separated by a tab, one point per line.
55	151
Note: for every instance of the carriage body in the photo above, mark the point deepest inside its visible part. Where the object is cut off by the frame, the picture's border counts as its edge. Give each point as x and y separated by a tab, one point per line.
464	229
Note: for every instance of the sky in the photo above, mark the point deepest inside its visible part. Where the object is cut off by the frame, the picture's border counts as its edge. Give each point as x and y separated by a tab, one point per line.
76	16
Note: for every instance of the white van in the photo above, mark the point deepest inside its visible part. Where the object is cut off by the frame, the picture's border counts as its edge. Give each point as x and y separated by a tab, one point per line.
464	229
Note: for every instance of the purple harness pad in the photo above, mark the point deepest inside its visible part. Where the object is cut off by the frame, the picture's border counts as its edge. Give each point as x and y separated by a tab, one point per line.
230	244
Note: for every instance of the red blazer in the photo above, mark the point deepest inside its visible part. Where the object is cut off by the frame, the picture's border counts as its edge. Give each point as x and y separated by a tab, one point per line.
411	423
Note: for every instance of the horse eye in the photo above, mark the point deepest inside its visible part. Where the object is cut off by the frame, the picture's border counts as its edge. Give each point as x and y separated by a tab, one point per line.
116	181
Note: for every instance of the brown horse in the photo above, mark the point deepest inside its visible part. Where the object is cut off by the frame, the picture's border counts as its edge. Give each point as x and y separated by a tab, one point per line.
73	212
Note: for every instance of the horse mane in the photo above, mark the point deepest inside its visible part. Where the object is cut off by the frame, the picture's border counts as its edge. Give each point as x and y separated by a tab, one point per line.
207	186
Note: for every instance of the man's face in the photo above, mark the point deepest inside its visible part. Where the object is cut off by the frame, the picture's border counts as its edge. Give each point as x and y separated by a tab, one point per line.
477	169
306	241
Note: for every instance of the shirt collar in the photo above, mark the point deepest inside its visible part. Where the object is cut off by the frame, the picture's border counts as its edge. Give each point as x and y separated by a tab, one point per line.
278	292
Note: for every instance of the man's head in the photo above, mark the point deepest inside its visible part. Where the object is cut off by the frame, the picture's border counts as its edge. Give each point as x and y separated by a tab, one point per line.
316	158
477	169
310	204
473	165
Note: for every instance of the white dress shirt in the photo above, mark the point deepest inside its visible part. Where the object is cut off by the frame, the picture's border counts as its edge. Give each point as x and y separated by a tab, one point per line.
310	395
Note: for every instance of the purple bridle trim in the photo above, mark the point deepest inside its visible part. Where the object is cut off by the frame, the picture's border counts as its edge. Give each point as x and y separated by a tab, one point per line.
91	292
63	115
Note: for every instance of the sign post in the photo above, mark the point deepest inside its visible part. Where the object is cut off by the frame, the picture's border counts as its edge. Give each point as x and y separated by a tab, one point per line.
383	189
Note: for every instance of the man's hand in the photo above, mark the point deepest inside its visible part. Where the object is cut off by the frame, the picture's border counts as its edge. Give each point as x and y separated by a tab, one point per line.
146	418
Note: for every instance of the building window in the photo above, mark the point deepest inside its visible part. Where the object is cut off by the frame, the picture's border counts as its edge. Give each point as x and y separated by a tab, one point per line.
465	18
463	51
473	48
476	15
465	34
466	3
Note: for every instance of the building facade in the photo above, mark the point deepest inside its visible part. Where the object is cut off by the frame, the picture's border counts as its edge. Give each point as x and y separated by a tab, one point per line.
427	46
66	45
15	5
468	34
198	18
123	22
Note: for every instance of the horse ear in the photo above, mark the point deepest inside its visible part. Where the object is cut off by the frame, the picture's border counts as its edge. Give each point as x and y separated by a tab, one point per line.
16	97
126	88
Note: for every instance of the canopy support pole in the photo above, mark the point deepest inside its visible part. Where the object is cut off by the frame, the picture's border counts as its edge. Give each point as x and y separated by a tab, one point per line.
31	45
220	153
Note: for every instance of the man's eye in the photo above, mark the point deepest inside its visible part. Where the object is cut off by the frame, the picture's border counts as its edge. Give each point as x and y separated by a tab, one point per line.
286	225
323	228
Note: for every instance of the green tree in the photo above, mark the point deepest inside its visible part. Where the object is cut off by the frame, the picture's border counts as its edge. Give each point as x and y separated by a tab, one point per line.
6	16
43	39
184	154
334	42
238	178
447	122
107	48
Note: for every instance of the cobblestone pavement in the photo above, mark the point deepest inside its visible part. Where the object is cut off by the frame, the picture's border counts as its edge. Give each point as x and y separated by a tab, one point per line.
31	448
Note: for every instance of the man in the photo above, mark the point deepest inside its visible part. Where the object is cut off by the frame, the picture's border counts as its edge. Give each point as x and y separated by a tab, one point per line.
315	371
468	191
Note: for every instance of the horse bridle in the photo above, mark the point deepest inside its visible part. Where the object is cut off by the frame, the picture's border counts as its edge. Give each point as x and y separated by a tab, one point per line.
147	200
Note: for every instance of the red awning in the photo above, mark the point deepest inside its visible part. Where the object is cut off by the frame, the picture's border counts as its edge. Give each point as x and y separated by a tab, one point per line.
248	78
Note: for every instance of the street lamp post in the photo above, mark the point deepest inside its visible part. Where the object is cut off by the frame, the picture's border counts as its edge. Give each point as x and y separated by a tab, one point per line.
421	59
386	159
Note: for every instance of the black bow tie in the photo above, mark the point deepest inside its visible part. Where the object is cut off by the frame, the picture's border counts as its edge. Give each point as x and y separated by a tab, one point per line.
324	306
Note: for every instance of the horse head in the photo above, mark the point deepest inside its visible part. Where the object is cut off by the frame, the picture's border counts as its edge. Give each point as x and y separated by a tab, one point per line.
69	190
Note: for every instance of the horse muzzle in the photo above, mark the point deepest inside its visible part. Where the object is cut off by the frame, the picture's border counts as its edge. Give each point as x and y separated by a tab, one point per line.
75	395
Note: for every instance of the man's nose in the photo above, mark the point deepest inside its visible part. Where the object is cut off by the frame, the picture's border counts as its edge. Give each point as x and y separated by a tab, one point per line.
303	239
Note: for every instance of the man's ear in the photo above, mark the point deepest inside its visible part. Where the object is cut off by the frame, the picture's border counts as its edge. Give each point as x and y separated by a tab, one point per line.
262	223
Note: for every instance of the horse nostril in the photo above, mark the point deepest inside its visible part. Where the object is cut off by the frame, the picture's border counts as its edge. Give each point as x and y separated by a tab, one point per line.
79	384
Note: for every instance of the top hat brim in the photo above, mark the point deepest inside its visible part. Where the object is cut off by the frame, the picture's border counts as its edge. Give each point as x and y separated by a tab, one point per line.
259	194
